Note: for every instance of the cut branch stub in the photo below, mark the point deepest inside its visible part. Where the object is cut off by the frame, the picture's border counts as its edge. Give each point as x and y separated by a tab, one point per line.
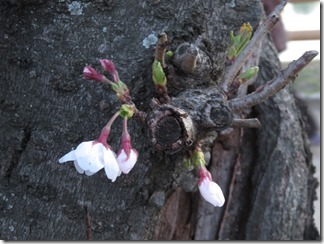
191	115
171	128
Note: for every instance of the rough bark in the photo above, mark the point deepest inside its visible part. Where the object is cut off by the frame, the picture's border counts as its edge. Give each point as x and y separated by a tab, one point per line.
47	108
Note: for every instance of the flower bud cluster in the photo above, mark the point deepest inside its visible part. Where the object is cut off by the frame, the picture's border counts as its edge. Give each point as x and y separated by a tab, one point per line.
117	85
91	156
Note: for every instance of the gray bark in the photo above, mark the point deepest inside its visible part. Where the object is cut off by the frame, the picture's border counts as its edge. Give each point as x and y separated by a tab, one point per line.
47	109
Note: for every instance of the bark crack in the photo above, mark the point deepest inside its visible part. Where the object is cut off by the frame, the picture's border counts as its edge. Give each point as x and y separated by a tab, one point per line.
18	152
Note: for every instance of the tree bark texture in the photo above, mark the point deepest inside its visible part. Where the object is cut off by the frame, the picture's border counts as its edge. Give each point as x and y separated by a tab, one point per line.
47	109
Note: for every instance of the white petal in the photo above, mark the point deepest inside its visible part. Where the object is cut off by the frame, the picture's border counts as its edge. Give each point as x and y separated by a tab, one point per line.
84	148
67	157
77	167
96	161
88	173
83	154
95	167
111	166
83	163
125	164
212	193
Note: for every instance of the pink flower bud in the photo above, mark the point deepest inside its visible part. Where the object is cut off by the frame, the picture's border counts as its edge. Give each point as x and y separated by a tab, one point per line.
91	74
209	190
127	162
109	66
126	156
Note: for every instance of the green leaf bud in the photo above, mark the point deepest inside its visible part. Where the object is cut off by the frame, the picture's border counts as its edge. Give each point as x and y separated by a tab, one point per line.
158	75
249	73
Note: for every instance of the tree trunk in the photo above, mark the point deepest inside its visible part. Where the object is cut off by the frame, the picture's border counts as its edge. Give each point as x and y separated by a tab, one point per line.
47	109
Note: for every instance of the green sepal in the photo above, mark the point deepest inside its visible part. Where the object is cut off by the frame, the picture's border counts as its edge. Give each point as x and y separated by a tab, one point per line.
122	85
115	87
198	158
126	111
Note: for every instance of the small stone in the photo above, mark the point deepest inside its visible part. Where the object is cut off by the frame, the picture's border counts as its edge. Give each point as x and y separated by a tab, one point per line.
157	199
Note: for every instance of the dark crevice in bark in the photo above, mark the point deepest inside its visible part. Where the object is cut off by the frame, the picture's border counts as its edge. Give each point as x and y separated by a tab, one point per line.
249	154
18	153
238	199
177	217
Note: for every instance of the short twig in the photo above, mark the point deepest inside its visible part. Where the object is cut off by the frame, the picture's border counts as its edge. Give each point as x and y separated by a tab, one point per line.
266	26
163	92
246	123
271	87
161	47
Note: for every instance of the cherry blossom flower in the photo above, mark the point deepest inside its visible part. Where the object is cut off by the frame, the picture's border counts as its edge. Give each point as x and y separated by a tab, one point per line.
127	156
209	190
91	156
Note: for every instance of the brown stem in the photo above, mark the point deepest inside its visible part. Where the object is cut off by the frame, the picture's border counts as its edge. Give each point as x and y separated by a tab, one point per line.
266	26
164	97
271	87
159	56
161	47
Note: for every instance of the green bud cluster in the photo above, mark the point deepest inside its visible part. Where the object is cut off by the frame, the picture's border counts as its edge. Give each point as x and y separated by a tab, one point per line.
238	42
120	87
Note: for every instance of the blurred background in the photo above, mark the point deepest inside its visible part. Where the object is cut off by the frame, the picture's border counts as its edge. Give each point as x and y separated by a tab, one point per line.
301	21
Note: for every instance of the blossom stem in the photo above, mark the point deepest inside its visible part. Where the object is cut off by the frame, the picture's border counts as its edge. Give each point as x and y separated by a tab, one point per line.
198	158
125	131
106	80
126	140
106	130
